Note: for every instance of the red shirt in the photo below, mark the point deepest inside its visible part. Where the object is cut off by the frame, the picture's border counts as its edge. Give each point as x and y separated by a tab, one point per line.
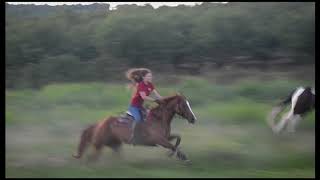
137	100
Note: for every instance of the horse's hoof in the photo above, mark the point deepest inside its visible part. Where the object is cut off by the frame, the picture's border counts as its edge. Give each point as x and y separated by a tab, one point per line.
181	156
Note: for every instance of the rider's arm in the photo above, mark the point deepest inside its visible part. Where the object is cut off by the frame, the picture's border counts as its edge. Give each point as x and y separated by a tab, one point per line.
145	97
157	94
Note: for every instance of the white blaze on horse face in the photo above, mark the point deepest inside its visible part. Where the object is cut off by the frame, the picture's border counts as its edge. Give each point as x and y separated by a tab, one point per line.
191	110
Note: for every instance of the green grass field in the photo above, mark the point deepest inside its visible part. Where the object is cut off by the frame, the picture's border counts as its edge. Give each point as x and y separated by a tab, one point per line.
231	138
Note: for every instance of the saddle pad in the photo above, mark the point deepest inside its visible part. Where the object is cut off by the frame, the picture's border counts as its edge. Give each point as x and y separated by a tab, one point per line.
123	121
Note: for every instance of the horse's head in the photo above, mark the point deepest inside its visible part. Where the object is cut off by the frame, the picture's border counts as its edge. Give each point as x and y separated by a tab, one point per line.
181	106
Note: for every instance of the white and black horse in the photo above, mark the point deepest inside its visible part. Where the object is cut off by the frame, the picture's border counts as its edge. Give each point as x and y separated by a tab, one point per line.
302	100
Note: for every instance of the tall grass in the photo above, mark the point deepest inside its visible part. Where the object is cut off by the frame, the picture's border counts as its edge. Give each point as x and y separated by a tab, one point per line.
245	101
230	139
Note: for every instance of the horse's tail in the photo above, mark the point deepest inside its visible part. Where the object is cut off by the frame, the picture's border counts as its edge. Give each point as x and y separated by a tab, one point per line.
85	139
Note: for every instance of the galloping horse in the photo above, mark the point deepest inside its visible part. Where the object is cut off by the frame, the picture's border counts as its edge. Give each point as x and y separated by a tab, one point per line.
156	130
302	100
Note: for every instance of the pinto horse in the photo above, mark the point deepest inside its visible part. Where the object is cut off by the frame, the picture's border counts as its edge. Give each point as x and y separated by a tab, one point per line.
155	131
302	100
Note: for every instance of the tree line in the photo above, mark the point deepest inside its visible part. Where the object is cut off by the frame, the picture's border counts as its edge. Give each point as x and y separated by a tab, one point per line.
73	43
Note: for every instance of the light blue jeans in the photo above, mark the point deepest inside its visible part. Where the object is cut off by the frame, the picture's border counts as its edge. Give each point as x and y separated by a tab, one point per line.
136	112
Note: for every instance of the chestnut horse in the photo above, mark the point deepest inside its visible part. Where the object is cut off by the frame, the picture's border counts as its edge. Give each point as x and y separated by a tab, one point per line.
156	130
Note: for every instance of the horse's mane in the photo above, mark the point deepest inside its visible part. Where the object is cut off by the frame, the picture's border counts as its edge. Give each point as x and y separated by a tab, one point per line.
169	98
156	111
166	99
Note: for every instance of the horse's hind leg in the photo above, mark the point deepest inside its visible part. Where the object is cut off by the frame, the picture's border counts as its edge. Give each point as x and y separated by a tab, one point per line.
116	148
85	140
96	152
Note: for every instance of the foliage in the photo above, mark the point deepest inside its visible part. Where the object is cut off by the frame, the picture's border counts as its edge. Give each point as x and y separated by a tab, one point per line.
83	43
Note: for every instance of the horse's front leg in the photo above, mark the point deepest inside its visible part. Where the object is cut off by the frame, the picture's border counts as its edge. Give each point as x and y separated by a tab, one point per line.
175	136
162	141
170	138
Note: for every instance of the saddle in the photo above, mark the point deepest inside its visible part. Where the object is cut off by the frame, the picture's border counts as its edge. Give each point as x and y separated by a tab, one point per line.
125	119
129	116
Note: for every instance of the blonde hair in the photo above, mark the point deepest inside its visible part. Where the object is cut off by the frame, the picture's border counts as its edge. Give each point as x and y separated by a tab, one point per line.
135	75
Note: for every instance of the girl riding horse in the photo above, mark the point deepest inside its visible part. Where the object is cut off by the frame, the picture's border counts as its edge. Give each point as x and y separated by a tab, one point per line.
143	87
156	130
